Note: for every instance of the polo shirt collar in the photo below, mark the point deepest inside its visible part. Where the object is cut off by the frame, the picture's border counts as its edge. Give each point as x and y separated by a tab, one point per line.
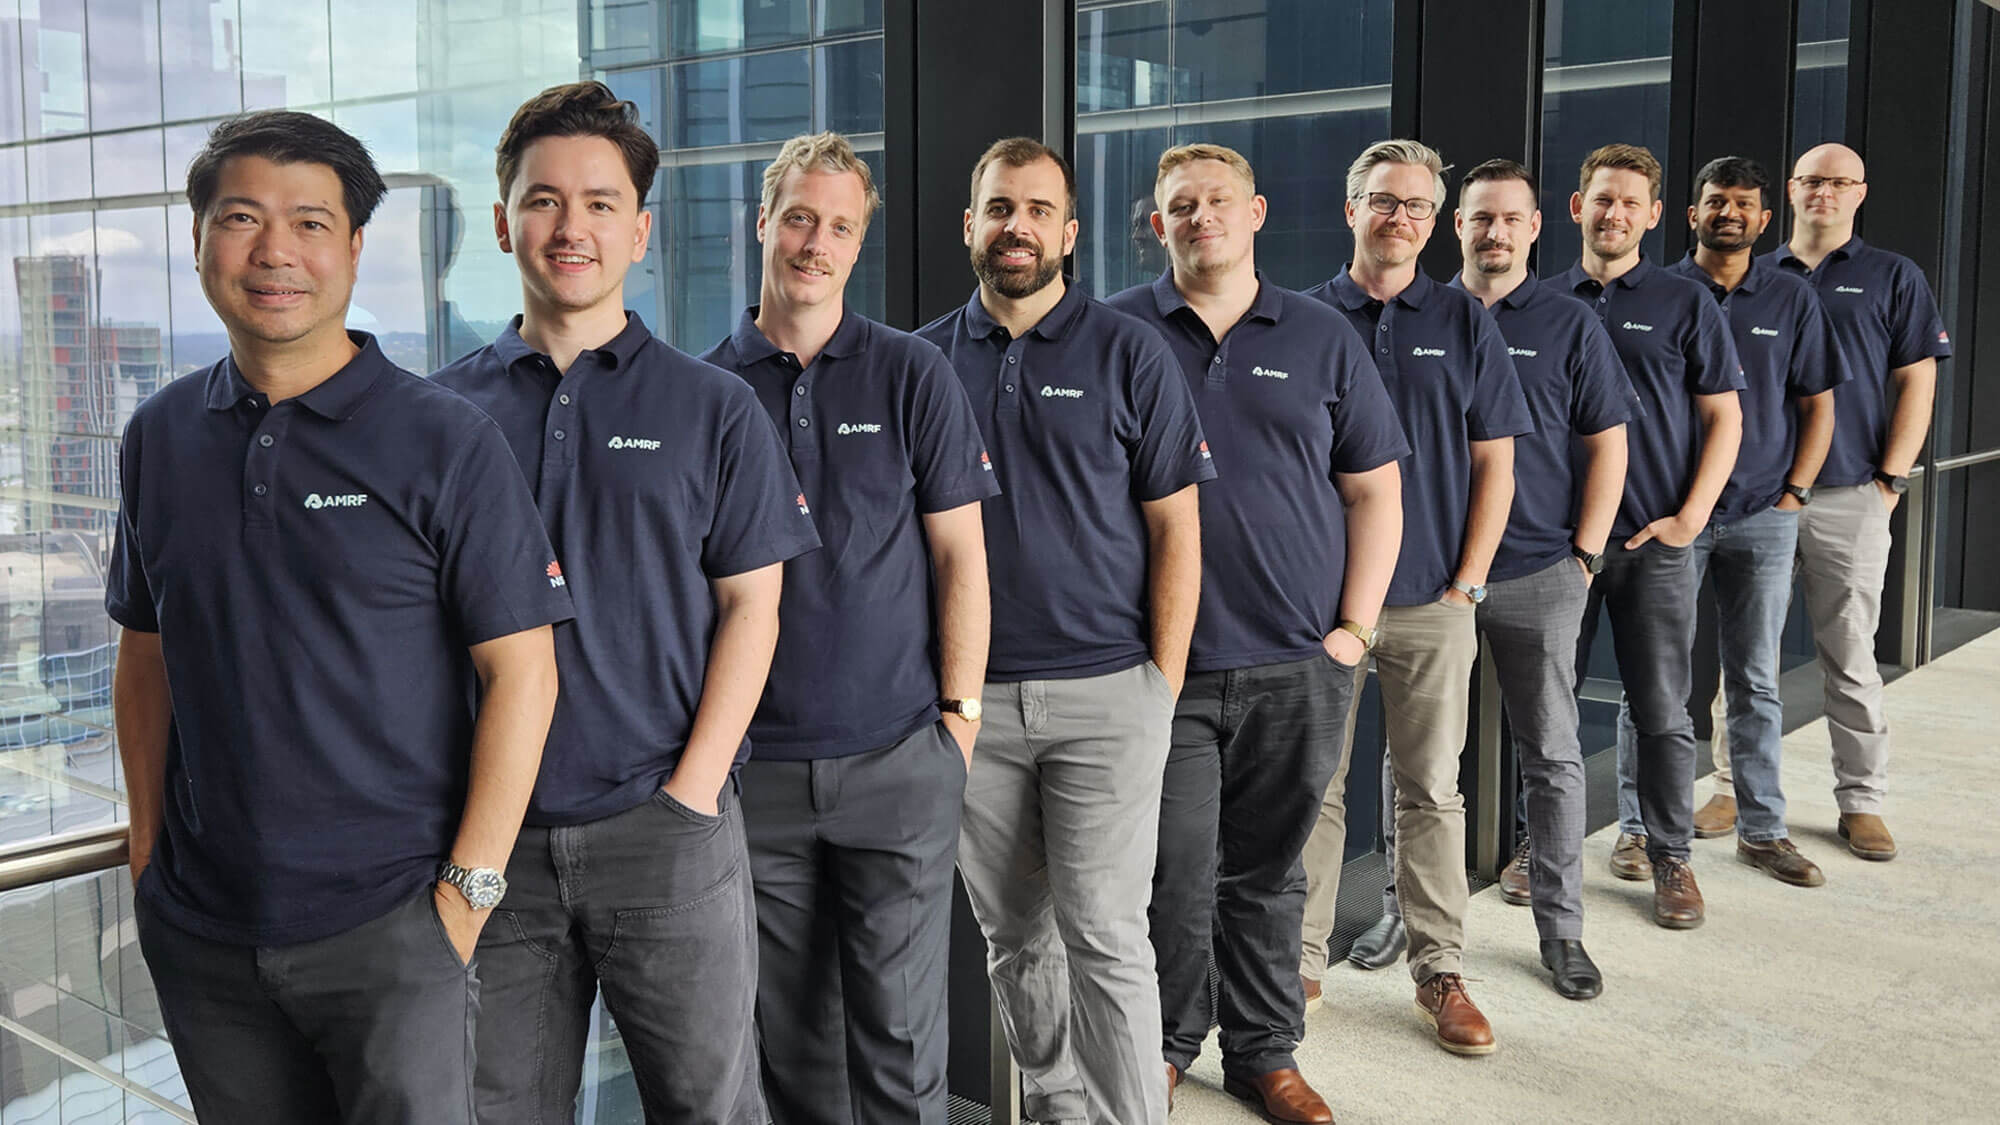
616	352
1630	279
336	398
1167	297
1849	249
1760	271
1523	293
752	346
1352	297
980	324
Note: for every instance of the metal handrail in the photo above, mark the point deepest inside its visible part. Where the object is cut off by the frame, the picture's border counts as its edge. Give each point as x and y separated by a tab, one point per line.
50	858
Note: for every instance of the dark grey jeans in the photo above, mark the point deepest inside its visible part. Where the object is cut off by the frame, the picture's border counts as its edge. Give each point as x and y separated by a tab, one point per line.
1253	752
1650	596
852	861
373	1026
651	905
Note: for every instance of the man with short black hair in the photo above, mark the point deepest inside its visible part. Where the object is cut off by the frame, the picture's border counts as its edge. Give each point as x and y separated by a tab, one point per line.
1569	474
1676	350
1790	367
1887	328
672	506
1300	534
1447	370
860	747
321	561
1095	545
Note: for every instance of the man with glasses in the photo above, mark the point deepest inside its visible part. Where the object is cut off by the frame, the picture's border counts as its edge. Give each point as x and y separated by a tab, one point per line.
1887	329
1446	368
1676	349
1790	366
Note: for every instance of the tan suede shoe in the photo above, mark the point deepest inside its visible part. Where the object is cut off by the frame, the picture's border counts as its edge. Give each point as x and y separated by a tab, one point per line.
1867	836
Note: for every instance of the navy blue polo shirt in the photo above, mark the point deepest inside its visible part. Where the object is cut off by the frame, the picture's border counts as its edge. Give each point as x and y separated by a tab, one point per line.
1085	415
1447	370
1883	318
316	570
1787	349
1288	399
1575	386
655	473
1675	345
880	434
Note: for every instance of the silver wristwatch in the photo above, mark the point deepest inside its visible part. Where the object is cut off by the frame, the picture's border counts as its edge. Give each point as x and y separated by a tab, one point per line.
482	887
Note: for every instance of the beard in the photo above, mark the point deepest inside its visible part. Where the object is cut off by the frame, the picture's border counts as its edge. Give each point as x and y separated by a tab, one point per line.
1490	265
1725	242
1014	282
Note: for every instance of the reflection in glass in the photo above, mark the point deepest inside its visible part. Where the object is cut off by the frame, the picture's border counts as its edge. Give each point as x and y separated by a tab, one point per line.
848	87
181	143
199	41
285	55
56	91
389	289
1607	68
128	163
712	248
374	48
389	129
841	17
196	338
59	170
125	67
1819	89
732	101
11	93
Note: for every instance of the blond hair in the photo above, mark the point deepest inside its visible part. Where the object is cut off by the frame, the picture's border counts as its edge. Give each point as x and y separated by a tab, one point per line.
1188	154
1628	158
1395	152
823	152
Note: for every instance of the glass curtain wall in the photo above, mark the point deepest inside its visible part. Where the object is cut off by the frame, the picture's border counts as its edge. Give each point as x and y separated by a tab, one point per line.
1819	82
1299	87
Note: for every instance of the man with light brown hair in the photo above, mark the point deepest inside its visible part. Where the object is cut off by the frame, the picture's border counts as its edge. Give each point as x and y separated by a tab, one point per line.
1300	530
859	749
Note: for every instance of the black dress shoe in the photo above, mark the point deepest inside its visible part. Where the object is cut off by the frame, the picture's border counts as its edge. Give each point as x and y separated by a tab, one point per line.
1382	945
1576	977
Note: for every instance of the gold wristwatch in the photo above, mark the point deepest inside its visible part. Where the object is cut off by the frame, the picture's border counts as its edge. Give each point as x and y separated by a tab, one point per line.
967	709
1366	635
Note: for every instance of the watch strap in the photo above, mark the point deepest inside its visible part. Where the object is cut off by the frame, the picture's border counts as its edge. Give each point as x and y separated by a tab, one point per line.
1360	631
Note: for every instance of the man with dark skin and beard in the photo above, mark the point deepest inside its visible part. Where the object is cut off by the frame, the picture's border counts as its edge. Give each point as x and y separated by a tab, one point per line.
1095	551
1791	364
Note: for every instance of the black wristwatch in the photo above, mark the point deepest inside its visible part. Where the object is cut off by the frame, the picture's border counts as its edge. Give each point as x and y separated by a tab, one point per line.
1897	485
1592	564
1802	495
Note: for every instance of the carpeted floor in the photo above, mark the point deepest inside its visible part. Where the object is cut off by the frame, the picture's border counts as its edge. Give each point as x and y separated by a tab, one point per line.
1875	998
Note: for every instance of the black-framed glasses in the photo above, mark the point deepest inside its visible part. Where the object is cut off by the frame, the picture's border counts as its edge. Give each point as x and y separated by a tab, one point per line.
1382	203
1837	183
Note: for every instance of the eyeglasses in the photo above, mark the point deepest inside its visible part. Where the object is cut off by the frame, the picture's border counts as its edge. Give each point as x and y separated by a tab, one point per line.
1838	183
1382	203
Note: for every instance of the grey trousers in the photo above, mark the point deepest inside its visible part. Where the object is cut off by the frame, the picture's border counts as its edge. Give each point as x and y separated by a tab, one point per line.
1057	848
373	1026
852	858
1843	558
652	906
1423	664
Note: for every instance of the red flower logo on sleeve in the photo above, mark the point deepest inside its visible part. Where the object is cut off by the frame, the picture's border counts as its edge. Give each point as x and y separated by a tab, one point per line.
800	500
554	571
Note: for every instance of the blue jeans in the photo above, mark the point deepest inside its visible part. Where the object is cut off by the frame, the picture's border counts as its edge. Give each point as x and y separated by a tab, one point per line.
1753	560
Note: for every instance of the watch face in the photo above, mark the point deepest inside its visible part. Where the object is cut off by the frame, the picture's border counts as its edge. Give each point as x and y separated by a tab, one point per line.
970	710
483	888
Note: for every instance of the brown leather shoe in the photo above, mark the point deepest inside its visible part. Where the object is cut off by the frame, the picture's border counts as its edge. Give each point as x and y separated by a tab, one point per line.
1313	997
1867	836
1628	858
1782	861
1716	818
1677	901
1284	1095
1514	877
1173	1083
1461	1029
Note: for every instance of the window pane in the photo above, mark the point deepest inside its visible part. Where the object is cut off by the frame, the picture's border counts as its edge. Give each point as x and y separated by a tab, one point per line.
712	220
730	25
1819	106
285	55
842	17
389	129
124	67
196	337
199	41
1606	76
1174	71
733	101
56	89
390	289
12	127
848	87
128	163
59	170
374	49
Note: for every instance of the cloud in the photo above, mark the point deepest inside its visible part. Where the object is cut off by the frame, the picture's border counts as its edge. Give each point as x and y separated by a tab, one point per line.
105	242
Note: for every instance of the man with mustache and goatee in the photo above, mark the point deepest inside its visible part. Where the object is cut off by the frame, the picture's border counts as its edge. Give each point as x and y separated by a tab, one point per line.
1791	363
859	750
1676	349
673	508
1096	559
1568	477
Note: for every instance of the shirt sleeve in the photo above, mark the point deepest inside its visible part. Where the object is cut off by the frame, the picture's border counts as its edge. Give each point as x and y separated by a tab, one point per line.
1499	409
128	596
1367	431
1915	329
760	514
947	455
1817	364
1712	365
1169	452
497	572
1602	394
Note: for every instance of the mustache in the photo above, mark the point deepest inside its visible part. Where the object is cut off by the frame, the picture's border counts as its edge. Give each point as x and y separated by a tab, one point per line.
1491	244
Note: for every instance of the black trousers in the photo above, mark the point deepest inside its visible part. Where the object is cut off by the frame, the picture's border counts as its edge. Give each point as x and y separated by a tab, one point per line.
1650	598
1253	752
